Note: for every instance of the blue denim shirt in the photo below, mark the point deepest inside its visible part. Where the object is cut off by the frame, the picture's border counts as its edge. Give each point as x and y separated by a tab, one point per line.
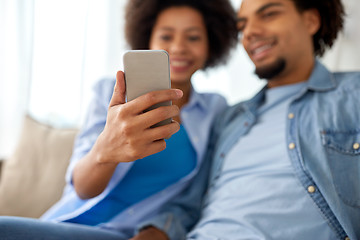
196	116
323	137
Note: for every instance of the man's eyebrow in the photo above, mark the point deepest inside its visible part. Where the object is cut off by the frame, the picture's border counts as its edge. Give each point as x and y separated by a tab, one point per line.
261	9
266	6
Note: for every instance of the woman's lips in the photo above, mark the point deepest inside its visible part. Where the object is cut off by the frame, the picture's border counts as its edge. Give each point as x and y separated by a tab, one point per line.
179	65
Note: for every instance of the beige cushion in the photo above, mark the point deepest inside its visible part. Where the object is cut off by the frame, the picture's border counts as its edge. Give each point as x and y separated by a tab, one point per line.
1	163
33	178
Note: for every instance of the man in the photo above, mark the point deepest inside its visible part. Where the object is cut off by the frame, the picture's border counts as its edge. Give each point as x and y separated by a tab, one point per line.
286	164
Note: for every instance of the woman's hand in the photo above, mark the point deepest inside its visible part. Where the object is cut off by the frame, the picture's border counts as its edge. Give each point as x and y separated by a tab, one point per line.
127	136
150	233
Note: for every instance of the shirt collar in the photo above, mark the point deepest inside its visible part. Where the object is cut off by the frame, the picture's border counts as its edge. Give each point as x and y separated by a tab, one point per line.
321	78
196	99
252	104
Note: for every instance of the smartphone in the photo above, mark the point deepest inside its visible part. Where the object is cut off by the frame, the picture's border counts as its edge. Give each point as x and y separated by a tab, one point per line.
146	71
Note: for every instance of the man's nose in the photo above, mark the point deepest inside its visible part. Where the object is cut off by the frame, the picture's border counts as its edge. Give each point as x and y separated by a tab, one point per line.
252	30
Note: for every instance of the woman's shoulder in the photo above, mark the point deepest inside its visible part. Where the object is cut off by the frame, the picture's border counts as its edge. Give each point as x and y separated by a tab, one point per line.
103	90
212	100
104	86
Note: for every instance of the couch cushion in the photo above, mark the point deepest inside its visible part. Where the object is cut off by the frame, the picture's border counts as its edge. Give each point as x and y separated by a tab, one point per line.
33	177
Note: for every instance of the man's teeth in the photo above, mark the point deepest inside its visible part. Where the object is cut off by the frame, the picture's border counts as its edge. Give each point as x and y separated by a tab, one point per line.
179	63
261	49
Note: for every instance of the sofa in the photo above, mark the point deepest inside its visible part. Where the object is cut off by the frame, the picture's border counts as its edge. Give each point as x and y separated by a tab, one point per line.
33	177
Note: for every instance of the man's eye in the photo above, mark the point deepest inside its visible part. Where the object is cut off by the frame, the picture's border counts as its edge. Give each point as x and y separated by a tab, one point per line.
270	14
240	27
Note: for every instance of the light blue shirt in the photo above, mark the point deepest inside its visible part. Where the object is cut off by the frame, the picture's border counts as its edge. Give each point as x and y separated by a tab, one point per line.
322	137
260	196
196	118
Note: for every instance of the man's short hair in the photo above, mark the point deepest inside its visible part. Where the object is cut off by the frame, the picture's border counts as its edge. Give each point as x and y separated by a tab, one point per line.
332	21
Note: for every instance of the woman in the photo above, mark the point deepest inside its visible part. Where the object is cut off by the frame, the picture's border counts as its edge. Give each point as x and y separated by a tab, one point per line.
119	178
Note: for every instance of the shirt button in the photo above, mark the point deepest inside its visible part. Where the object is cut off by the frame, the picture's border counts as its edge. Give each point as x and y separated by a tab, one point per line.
196	139
291	145
311	189
347	238
356	146
291	116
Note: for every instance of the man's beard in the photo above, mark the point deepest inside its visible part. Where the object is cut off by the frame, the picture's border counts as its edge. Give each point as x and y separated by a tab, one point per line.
270	71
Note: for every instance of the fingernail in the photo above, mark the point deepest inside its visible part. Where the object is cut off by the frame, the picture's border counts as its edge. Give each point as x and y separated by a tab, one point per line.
179	93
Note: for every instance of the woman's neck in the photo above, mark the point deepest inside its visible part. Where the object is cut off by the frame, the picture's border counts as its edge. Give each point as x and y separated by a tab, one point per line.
186	88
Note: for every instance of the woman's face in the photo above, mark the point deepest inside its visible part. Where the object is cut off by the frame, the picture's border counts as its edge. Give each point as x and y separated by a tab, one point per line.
182	33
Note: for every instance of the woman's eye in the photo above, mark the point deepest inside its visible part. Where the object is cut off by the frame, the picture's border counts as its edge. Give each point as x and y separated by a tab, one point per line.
194	38
165	37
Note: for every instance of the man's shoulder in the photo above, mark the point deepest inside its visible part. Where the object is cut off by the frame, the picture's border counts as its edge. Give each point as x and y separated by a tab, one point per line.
347	81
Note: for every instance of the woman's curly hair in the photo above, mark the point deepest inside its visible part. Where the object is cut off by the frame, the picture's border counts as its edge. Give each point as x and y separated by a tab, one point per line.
219	17
332	21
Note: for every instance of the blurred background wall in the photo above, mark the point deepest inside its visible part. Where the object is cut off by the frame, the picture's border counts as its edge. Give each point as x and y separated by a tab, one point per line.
52	52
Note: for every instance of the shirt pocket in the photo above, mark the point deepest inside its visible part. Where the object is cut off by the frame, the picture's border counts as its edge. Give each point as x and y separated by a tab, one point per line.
343	152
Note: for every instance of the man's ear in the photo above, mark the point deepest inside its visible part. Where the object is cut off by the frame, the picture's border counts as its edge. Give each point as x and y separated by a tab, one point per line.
312	20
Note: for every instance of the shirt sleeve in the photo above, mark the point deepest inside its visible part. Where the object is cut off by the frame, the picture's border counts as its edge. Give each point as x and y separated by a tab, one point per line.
94	123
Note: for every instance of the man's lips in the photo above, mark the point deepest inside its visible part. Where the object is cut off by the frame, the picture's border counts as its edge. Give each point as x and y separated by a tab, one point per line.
259	50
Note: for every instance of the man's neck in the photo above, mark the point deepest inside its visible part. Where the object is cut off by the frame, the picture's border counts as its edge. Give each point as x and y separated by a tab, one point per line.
293	74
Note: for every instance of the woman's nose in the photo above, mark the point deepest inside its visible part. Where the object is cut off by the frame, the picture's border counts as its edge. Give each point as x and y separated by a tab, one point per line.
178	45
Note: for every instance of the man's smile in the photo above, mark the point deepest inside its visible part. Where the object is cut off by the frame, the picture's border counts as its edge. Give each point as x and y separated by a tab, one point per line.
260	49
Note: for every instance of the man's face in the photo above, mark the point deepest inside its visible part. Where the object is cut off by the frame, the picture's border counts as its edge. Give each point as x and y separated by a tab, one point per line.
276	36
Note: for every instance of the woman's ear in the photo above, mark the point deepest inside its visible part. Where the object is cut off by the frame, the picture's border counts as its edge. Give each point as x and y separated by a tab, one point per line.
312	20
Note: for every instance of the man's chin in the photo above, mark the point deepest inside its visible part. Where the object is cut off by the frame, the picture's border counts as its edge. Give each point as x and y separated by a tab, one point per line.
271	70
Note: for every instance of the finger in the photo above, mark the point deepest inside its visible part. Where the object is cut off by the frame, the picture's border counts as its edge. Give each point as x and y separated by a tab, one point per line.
157	115
155	147
162	132
118	96
147	100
